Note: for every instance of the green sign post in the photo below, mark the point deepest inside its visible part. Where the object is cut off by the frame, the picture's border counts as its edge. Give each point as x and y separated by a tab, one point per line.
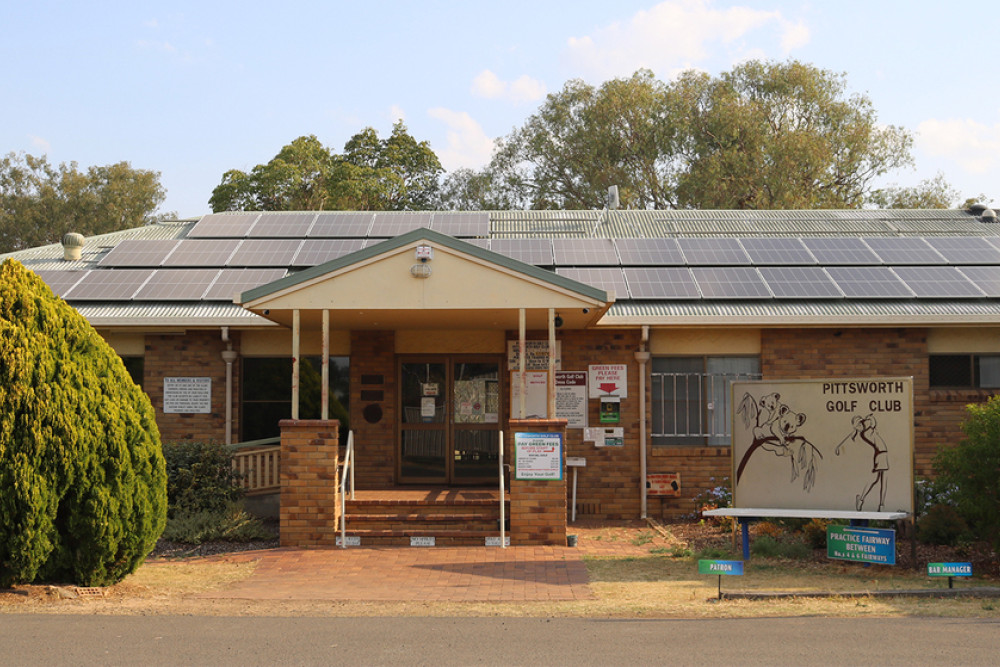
862	545
950	570
720	567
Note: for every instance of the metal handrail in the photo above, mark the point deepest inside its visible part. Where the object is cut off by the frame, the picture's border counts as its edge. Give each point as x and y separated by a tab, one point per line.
348	472
503	517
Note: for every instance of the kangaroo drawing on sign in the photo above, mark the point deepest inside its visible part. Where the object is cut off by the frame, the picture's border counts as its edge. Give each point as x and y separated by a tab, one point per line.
774	426
865	428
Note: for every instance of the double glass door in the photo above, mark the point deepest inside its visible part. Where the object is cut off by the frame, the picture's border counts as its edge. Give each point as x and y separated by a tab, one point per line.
449	420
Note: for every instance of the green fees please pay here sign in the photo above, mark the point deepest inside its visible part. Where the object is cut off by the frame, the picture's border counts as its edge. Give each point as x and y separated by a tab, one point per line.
864	545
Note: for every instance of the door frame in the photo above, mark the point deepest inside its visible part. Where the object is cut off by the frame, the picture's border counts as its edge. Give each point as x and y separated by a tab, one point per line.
449	427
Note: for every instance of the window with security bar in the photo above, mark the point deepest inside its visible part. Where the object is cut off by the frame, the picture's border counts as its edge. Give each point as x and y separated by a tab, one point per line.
691	398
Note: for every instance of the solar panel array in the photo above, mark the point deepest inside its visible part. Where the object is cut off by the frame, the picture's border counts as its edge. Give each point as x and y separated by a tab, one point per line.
227	253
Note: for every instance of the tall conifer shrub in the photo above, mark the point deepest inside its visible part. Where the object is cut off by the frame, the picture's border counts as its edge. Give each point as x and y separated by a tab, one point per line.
82	477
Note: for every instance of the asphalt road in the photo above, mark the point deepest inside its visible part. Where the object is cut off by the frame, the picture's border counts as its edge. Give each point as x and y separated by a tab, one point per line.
184	640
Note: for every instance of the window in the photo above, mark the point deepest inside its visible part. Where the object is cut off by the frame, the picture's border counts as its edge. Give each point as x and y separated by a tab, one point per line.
267	394
964	371
691	398
135	367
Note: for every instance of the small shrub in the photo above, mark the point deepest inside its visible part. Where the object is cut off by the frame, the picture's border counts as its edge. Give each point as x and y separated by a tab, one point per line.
941	524
642	538
714	553
231	524
815	533
768	547
681	552
200	478
768	529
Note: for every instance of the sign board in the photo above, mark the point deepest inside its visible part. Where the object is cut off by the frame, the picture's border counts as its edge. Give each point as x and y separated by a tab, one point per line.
349	540
536	355
538	456
187	395
667	484
608	380
495	541
949	569
611	410
863	545
831	444
571	398
605	437
422	541
536	403
731	567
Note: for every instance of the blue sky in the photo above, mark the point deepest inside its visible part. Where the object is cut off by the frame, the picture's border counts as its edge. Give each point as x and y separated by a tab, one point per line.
191	89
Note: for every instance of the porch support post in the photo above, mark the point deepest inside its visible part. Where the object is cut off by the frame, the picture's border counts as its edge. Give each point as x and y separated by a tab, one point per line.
296	335
324	410
551	406
521	335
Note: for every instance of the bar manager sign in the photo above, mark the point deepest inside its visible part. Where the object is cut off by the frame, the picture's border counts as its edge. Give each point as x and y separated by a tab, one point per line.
842	444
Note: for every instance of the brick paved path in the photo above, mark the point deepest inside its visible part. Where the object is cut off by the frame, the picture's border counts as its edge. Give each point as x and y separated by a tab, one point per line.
454	574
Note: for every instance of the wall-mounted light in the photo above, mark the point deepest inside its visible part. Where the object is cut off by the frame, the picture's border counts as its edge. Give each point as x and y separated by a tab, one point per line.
558	321
420	270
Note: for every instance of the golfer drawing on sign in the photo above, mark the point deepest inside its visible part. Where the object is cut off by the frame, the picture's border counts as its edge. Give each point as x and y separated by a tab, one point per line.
865	429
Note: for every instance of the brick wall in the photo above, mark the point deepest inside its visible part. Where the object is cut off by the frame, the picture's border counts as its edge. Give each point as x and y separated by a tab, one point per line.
373	354
310	502
195	354
537	507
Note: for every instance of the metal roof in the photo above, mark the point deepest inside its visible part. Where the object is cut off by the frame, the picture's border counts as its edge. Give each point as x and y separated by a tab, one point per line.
617	224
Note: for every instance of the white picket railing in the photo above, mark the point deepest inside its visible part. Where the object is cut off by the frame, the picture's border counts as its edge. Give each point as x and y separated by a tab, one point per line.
259	466
347	475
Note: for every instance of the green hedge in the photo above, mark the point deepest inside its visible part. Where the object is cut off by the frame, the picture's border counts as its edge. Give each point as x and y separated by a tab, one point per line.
81	470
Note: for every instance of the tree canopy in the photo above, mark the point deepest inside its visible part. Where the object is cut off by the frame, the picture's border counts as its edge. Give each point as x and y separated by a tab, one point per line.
765	135
39	202
372	174
81	468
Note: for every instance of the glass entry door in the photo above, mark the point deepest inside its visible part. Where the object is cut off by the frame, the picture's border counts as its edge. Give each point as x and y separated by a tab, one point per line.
450	415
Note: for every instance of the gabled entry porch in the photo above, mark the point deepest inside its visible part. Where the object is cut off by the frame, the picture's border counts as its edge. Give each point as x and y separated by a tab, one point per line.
430	322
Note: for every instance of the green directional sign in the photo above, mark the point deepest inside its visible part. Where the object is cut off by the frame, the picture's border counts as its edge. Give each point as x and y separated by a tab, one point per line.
949	569
864	545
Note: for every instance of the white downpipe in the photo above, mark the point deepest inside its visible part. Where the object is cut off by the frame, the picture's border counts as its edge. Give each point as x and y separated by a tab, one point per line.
522	327
550	408
503	512
228	356
348	466
642	356
324	409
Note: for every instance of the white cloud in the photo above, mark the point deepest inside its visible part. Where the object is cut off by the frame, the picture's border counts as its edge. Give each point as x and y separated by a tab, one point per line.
676	35
974	146
39	142
466	144
523	89
396	113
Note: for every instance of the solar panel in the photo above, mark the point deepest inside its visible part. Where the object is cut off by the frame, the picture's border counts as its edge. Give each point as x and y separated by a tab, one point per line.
393	224
937	282
799	282
60	282
660	283
265	252
986	278
609	279
782	251
177	285
224	225
529	251
233	282
139	252
639	252
868	282
584	252
903	250
730	282
462	224
832	250
713	251
341	225
202	252
109	285
282	225
965	249
318	251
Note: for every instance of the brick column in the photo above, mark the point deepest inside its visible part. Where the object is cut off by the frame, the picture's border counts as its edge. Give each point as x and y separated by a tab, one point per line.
538	507
310	502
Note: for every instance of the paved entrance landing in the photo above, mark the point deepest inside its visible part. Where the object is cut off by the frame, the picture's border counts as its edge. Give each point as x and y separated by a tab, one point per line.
403	574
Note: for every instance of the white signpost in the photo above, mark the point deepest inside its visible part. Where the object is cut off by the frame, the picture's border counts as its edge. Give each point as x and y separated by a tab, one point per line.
538	456
607	380
187	395
571	398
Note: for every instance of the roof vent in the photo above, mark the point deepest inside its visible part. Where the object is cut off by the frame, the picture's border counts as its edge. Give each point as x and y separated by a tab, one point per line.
976	209
613	202
72	244
988	215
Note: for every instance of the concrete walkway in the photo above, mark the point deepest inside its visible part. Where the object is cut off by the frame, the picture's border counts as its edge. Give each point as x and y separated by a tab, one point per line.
402	574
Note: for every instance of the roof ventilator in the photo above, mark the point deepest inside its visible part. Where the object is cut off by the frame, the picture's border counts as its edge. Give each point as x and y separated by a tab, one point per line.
72	244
